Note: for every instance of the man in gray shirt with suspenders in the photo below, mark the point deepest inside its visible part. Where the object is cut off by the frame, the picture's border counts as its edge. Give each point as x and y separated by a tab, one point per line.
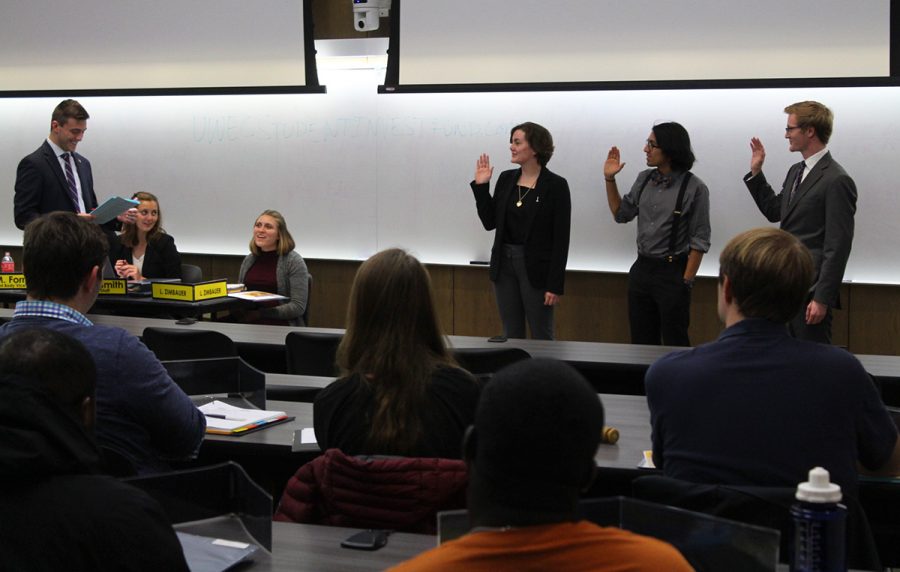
672	208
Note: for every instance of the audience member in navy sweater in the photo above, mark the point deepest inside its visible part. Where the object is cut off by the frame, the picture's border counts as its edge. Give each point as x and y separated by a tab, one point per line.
142	415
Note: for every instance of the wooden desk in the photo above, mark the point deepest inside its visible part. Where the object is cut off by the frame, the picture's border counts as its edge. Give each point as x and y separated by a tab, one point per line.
271	456
145	304
587	356
627	413
312	547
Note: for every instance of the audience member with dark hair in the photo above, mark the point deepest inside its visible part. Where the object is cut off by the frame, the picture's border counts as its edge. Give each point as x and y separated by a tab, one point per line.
672	209
531	212
144	249
400	392
142	415
770	407
529	454
55	177
274	266
58	514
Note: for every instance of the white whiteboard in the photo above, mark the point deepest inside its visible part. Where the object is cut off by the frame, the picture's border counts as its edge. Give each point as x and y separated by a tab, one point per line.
529	41
355	172
133	44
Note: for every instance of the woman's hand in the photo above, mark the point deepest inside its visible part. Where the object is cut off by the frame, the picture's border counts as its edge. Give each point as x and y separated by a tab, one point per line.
550	299
612	166
128	217
483	170
128	271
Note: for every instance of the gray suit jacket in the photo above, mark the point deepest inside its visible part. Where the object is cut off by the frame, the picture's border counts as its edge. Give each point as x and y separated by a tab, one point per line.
821	216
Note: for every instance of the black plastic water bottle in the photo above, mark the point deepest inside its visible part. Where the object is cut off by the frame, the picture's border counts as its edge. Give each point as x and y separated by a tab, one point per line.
819	543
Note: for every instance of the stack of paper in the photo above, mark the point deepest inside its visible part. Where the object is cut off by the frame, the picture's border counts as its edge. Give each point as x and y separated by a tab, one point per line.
225	419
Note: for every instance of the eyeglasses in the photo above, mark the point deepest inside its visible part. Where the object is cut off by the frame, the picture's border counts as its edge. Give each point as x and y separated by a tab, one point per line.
652	144
790	128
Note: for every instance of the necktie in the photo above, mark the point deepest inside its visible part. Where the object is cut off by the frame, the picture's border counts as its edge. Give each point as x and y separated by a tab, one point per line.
70	178
797	181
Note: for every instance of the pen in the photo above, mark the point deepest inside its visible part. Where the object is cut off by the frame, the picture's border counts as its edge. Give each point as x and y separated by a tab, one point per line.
220	416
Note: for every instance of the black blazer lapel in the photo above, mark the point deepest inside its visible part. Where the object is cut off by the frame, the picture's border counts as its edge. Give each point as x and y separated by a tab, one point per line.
53	164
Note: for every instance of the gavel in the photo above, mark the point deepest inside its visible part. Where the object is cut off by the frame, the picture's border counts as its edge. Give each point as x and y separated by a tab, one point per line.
610	435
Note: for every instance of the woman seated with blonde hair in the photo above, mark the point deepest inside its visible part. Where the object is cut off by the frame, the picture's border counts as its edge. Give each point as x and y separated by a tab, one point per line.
274	266
401	393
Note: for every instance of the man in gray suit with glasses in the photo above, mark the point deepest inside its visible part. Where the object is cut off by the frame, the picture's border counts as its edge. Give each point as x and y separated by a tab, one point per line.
816	204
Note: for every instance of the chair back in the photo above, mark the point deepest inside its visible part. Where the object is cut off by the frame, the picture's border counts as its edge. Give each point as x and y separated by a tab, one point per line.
231	375
760	506
312	353
205	493
191	273
481	361
183	343
397	493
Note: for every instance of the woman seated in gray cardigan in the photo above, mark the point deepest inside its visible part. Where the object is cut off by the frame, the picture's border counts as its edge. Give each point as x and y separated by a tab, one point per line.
273	266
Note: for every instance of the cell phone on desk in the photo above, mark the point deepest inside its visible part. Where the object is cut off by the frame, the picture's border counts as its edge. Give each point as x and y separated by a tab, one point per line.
371	539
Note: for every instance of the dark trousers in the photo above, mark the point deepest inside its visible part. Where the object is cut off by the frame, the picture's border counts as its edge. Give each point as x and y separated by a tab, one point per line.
518	300
659	302
820	332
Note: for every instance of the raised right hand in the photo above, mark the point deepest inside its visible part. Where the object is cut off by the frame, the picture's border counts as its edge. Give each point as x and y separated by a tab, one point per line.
483	170
613	165
758	156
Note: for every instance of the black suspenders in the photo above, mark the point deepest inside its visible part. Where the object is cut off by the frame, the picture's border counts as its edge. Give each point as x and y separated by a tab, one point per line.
676	214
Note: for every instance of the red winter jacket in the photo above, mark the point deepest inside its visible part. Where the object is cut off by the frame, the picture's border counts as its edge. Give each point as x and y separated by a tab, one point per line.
397	493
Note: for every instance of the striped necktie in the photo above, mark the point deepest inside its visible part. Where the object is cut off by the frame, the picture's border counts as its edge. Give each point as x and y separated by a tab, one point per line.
797	180
70	178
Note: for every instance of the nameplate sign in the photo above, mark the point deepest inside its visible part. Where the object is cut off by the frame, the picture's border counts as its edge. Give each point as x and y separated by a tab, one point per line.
12	281
190	292
114	286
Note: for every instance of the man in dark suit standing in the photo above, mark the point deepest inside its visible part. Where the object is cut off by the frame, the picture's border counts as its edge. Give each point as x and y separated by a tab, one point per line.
55	177
816	204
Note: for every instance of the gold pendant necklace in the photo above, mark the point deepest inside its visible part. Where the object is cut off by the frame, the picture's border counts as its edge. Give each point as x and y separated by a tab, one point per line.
521	196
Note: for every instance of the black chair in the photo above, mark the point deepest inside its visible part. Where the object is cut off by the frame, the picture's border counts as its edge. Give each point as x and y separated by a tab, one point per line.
177	343
487	361
230	375
191	273
761	506
312	353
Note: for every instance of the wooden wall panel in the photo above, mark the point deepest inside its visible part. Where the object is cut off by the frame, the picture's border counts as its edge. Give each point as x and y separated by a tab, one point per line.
474	309
874	319
594	308
591	310
332	280
705	324
442	283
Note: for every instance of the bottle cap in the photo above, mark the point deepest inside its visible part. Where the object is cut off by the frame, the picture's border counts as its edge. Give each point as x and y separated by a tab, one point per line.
818	489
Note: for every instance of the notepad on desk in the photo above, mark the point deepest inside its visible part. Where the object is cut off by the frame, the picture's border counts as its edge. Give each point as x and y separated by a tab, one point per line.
225	419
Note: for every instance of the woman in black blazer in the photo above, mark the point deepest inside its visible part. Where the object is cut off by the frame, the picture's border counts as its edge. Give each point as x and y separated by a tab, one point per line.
531	211
144	250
